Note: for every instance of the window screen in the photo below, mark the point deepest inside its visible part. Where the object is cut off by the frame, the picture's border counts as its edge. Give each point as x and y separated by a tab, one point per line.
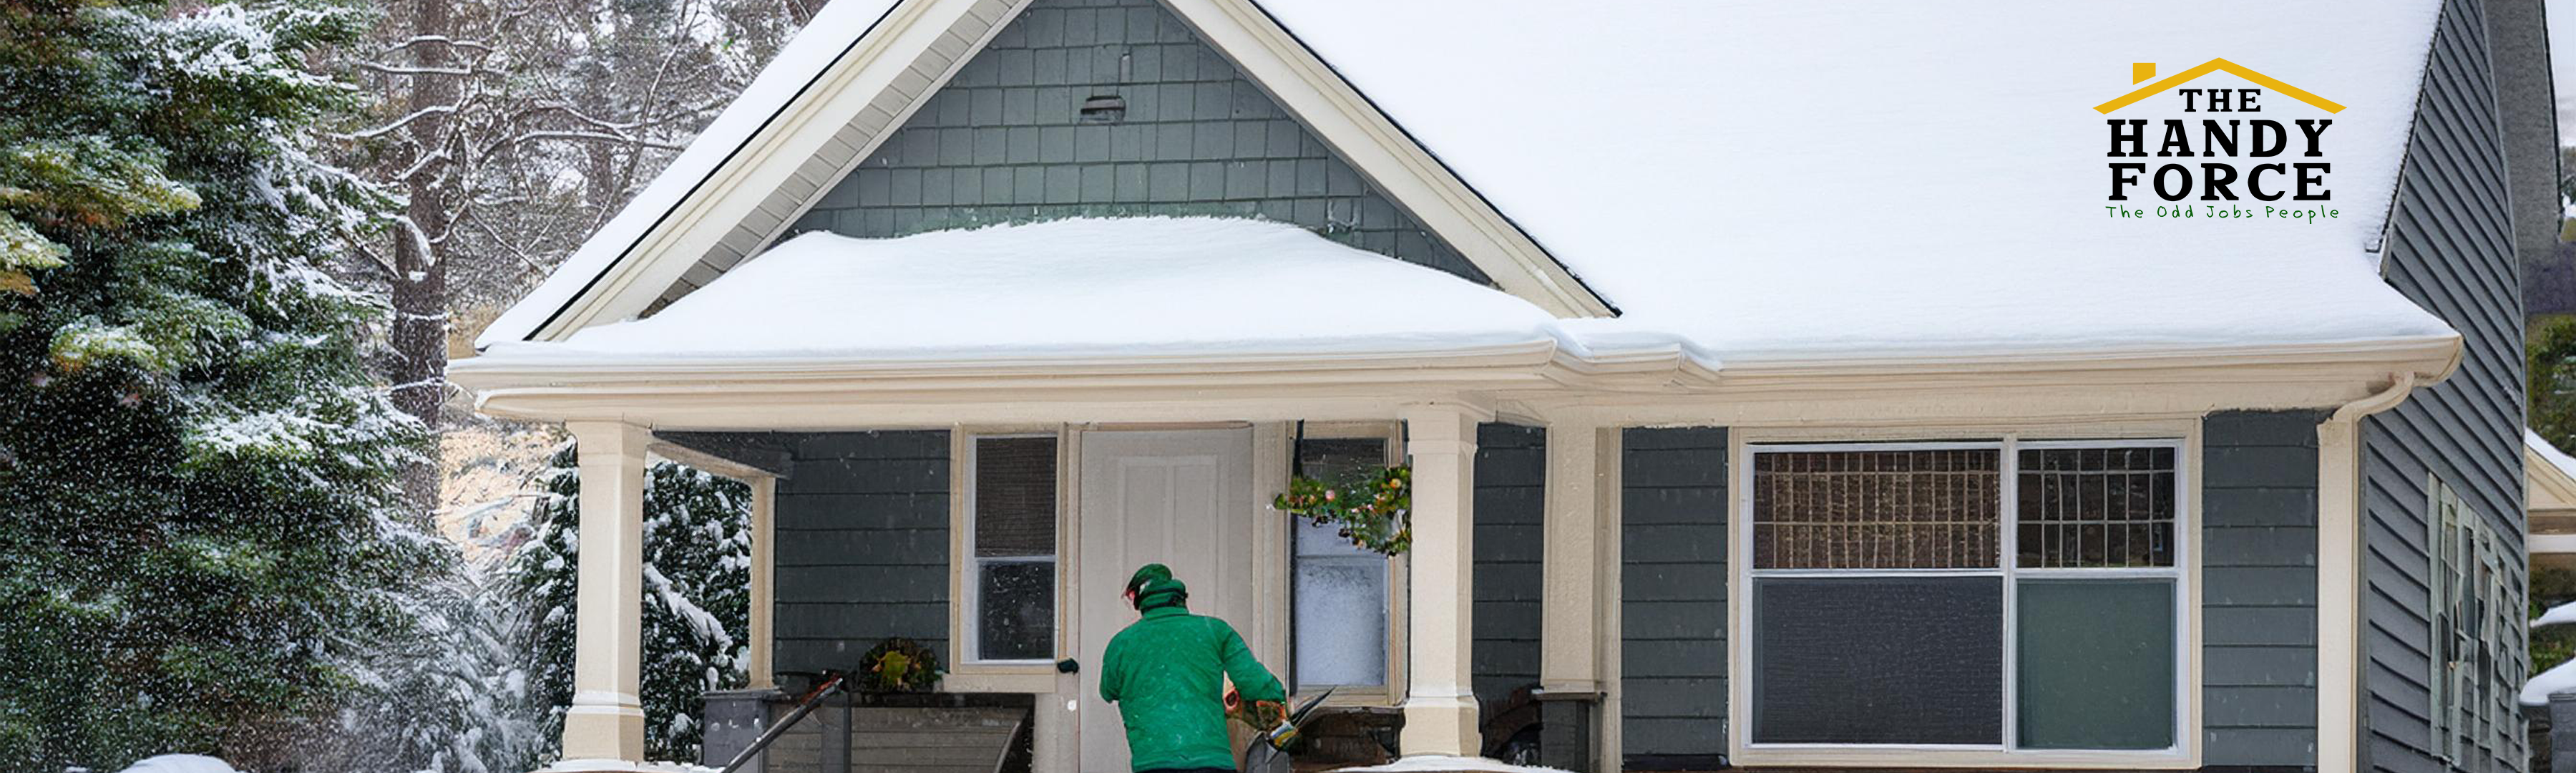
1878	660
2096	507
1340	589
1014	548
1875	509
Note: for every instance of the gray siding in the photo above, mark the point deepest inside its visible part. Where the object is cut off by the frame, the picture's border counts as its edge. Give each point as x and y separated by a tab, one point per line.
2450	249
2258	478
862	540
1004	141
1511	499
1672	607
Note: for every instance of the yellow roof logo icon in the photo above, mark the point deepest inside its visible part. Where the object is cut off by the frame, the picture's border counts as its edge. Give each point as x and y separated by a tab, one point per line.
2143	70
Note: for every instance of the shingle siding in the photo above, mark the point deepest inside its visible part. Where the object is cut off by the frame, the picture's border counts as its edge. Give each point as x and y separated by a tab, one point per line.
2258	511
1004	141
2450	249
1511	499
1672	607
862	546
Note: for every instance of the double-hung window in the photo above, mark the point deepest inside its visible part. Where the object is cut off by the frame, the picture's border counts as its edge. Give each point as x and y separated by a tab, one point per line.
2475	612
2009	597
1011	572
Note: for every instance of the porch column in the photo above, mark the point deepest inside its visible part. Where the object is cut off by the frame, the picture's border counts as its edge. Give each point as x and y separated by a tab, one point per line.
1439	701
606	720
1569	669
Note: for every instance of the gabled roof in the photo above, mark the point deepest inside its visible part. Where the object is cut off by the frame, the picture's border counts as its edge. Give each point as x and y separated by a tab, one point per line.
1754	182
861	66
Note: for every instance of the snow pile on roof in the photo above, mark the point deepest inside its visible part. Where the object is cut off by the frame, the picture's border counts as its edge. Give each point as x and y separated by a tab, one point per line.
1068	288
1800	180
181	763
2559	678
1442	763
2557	458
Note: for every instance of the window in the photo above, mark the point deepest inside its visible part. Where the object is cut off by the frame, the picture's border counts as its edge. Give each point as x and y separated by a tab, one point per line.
1340	602
2475	613
2006	596
1011	607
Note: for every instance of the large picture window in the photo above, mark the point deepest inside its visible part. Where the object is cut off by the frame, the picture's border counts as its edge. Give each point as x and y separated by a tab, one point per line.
1011	541
2014	596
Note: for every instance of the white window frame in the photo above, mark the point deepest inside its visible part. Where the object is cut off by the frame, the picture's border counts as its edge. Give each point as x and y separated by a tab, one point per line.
2185	572
969	590
1383	694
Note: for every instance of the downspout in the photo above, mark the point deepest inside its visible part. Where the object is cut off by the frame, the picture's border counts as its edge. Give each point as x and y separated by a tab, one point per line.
2339	577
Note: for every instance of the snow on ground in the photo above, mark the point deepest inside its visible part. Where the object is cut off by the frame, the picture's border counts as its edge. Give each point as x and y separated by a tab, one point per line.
181	763
1440	763
1088	286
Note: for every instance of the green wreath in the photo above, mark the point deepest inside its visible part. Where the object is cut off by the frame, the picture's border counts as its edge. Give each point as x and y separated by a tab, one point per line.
1373	511
898	665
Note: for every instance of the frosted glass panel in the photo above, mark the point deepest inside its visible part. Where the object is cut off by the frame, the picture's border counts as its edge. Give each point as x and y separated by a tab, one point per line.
1878	660
1341	622
1314	539
2096	665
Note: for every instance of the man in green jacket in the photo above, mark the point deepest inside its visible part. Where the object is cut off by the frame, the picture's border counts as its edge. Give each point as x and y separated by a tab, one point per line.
1164	672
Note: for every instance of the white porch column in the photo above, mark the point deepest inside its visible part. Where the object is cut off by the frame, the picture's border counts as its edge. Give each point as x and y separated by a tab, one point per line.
1569	661
606	721
1439	701
764	554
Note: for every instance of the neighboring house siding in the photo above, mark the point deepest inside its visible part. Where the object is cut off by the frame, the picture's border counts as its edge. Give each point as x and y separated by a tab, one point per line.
862	546
1672	608
2450	248
1004	141
1511	499
2258	511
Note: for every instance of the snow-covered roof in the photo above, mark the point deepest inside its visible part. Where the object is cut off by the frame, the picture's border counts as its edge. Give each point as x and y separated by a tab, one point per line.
2557	459
1827	179
1761	181
1146	287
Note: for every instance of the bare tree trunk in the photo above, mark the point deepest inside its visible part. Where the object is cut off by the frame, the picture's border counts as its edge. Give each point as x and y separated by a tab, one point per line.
419	286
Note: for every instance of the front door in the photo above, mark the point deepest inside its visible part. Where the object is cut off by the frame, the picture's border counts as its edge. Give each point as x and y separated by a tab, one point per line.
1182	498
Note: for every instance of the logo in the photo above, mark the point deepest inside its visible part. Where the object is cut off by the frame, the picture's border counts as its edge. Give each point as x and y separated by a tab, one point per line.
2218	154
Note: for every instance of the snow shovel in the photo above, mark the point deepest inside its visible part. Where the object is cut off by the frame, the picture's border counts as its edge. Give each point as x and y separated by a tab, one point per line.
834	681
1268	752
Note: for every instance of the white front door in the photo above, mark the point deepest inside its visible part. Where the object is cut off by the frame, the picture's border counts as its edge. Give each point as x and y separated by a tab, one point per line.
1182	498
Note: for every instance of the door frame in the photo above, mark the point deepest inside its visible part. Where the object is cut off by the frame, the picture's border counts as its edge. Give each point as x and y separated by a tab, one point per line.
1058	742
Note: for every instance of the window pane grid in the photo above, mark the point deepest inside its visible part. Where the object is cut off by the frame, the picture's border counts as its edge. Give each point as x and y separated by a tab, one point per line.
2096	507
1012	546
2085	515
1890	509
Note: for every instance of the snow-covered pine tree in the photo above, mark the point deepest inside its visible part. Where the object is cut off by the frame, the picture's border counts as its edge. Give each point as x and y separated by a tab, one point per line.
697	596
196	468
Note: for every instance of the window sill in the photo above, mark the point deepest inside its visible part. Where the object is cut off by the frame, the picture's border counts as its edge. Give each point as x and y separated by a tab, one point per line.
1034	678
1826	755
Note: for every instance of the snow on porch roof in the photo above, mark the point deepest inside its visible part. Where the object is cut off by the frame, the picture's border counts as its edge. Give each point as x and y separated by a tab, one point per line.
1089	288
1777	180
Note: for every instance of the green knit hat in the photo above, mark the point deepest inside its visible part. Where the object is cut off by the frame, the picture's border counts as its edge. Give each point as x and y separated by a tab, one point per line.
1136	582
1153	586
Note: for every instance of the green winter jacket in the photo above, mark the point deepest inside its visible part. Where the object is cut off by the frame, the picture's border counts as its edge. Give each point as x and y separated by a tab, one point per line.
1163	672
